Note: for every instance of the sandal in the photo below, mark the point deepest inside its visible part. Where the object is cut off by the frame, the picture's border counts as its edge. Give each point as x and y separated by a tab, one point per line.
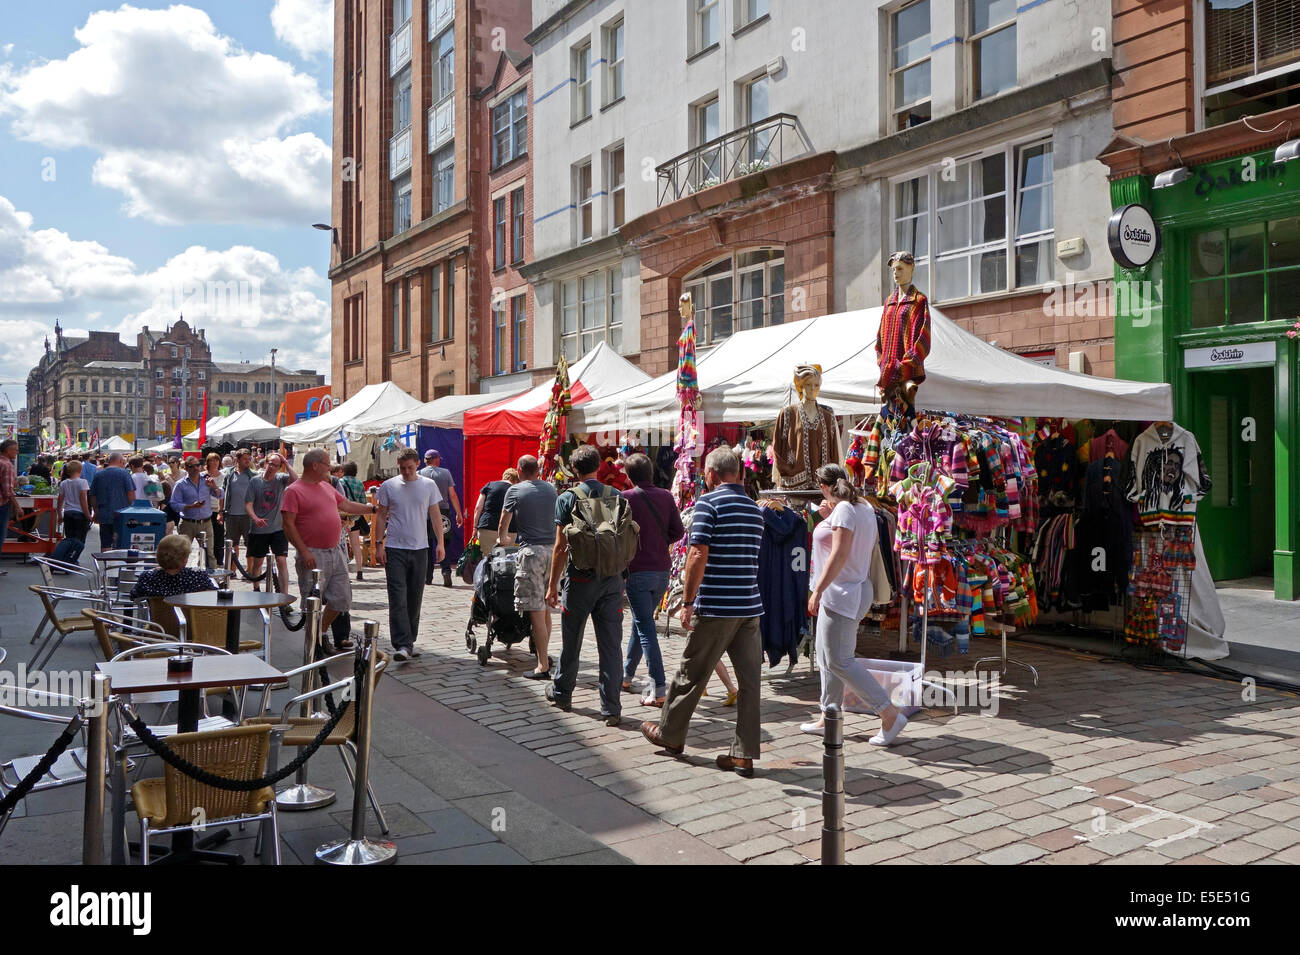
628	688
656	701
731	699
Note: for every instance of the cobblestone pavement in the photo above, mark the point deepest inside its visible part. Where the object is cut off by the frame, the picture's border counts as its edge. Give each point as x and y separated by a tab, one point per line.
1100	763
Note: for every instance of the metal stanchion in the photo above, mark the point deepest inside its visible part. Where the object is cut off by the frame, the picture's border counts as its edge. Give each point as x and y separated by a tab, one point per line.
357	849
92	833
202	538
833	789
302	794
228	565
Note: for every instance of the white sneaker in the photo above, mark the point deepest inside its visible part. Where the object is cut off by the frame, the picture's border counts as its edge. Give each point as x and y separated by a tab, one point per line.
401	655
887	738
813	729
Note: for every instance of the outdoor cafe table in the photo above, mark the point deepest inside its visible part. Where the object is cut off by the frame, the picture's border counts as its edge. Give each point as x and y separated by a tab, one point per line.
239	600
149	675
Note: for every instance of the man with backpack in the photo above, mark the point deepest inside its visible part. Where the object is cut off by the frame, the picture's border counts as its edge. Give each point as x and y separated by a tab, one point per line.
595	540
529	507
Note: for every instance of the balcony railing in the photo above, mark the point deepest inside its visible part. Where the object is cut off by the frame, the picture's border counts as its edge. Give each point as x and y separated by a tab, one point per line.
399	153
442	123
399	48
750	149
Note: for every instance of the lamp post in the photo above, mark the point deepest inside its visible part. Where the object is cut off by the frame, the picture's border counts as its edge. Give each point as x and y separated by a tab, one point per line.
334	235
275	404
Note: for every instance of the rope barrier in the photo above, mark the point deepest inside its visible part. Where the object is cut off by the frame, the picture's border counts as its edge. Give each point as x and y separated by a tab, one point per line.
243	572
25	785
178	762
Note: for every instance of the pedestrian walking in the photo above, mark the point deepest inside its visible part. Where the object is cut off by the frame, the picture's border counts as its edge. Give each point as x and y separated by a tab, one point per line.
593	580
234	496
88	468
110	491
213	468
136	466
655	513
192	499
266	535
434	471
73	506
842	547
310	509
407	503
487	512
529	507
9	506
354	490
721	587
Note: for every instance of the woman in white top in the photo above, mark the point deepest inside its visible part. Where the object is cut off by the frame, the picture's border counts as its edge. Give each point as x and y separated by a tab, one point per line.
842	546
72	505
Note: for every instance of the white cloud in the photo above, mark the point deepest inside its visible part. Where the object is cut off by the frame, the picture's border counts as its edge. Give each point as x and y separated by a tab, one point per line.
243	296
305	25
189	126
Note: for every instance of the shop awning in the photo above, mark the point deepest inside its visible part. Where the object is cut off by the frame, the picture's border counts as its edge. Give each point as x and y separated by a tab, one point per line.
748	378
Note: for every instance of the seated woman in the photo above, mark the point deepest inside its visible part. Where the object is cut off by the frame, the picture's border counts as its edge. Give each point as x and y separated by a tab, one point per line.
172	576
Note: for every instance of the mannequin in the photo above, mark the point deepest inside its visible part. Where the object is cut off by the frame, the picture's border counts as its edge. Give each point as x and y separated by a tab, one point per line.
904	337
806	435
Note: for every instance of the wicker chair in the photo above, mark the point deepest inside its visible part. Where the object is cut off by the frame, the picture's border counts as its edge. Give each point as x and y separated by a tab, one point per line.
60	627
303	729
172	803
117	632
206	625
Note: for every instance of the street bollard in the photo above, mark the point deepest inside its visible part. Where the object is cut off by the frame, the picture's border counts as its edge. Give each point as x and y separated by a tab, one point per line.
303	795
833	789
92	833
202	538
228	562
357	849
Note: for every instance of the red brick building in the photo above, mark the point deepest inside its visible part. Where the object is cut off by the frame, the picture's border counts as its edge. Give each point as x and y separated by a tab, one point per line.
405	215
503	226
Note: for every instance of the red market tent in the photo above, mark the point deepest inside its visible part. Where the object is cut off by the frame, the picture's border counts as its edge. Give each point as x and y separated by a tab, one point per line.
497	434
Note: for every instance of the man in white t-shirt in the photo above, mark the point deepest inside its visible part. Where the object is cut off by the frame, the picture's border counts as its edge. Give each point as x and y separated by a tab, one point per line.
408	505
139	478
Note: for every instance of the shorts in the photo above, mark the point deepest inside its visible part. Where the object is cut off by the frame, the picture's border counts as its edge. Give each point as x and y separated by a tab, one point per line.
275	542
361	526
238	527
532	574
335	581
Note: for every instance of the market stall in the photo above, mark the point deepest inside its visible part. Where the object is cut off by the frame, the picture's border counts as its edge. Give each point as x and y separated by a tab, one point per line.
242	426
352	430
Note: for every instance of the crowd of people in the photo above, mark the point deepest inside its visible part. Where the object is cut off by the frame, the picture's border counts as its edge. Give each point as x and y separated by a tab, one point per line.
261	503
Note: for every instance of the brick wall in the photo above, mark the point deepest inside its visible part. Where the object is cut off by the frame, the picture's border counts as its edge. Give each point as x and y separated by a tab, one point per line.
1154	93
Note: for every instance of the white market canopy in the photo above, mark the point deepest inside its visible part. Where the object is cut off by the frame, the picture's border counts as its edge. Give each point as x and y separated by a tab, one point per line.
449	411
243	425
163	448
365	413
115	443
748	378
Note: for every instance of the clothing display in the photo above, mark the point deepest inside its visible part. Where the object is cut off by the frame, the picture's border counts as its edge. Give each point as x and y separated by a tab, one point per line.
803	441
1168	476
904	338
783	581
1160	587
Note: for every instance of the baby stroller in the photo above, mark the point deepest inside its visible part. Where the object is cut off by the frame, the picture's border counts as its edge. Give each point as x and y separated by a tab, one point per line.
494	605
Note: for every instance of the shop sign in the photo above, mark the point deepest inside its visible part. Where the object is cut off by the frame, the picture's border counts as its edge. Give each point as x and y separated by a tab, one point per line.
1237	173
1228	356
1133	236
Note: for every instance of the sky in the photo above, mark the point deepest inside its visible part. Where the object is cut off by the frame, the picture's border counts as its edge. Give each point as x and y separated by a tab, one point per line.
150	156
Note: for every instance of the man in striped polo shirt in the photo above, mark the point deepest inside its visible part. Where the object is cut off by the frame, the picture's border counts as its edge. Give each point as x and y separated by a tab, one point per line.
721	590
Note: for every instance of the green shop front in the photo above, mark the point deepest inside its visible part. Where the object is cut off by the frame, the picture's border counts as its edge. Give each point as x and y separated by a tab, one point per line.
1209	314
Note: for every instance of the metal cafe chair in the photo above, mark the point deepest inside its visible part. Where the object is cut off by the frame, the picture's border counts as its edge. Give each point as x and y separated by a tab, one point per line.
60	626
48	566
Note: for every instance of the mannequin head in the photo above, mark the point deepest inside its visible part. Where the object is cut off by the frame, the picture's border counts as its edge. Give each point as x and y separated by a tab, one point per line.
684	306
808	381
901	266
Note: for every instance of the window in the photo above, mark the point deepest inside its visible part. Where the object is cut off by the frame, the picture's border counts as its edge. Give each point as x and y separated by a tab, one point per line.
582	199
94	385
510	129
957	222
517	233
519	327
401	203
83	382
158	391
580	67
157	373
1243	274
175	352
499	233
614	61
444	67
117	407
450	332
615	181
993	46
756	106
704	129
401	316
94	406
747	11
117	385
590	312
499	336
433	304
201	375
910	65
738	293
704	26
130	387
402	101
1252	58
401	12
444	178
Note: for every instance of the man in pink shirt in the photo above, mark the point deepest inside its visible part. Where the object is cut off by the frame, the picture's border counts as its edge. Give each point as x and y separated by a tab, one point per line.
310	510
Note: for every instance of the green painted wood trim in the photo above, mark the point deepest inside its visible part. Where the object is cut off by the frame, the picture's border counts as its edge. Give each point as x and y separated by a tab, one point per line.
1286	464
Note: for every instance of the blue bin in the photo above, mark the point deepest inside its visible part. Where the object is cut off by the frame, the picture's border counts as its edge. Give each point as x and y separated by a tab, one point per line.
140	526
